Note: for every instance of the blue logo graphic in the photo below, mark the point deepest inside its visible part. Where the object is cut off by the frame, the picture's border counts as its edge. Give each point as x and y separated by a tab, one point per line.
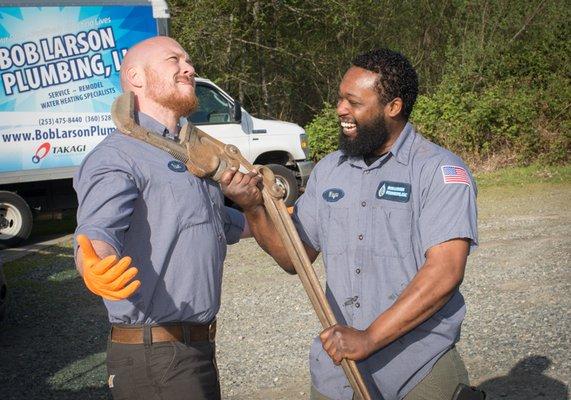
333	195
393	191
176	166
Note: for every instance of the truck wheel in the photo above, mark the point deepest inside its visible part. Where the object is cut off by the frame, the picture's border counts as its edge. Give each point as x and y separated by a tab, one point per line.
286	179
15	219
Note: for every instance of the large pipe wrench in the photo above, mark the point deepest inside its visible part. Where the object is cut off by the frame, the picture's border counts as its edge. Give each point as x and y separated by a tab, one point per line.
206	157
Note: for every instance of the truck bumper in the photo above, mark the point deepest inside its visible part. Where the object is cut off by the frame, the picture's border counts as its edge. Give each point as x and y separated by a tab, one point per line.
305	168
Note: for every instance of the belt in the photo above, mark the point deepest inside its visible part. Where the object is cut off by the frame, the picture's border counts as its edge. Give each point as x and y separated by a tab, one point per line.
175	332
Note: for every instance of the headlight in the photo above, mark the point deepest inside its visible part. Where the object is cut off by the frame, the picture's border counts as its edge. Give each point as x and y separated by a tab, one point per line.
304	144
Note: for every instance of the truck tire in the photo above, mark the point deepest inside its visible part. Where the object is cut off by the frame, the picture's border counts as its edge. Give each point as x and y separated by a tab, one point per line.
15	219
286	179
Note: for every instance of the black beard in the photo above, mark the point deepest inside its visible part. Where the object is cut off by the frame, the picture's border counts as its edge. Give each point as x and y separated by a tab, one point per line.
369	139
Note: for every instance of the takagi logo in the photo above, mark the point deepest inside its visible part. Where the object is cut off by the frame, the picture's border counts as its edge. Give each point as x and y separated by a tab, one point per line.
41	152
45	148
60	150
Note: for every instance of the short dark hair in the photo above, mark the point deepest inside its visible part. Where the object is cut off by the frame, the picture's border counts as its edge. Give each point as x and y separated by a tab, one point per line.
397	77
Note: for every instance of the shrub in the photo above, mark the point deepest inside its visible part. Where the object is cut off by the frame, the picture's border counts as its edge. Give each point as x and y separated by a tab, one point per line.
503	118
506	122
322	132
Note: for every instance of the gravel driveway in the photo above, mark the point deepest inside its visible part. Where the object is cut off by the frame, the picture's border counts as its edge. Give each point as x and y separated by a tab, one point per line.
515	340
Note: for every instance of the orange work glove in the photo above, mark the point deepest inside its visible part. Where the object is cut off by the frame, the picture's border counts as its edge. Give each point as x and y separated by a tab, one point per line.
107	277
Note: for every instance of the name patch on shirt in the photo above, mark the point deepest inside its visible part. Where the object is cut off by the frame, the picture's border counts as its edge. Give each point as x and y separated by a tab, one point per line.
393	191
333	195
176	166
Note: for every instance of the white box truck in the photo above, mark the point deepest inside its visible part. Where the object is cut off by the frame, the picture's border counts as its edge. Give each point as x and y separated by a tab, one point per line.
59	74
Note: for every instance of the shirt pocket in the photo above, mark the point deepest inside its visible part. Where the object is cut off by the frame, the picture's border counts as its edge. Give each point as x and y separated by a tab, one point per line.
392	230
334	222
189	200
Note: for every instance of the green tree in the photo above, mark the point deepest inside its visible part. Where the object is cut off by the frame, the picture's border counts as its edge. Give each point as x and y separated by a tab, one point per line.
494	75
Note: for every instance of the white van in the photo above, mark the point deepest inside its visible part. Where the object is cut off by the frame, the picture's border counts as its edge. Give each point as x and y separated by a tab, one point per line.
282	146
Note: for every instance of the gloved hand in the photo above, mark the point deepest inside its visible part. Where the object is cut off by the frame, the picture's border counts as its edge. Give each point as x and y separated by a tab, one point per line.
107	277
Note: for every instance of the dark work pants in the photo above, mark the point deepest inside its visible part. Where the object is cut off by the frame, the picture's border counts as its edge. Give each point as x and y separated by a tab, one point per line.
163	371
439	384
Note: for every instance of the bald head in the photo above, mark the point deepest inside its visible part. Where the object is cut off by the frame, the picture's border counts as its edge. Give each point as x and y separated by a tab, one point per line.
140	54
159	73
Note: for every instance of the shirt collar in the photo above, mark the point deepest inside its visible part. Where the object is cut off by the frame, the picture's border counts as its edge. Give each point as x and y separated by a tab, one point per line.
402	146
148	122
400	150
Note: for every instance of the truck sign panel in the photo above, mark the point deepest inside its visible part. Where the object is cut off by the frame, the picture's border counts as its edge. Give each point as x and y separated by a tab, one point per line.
59	75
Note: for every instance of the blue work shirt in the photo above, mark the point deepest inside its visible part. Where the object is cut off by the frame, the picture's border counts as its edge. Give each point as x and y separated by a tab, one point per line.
373	225
174	225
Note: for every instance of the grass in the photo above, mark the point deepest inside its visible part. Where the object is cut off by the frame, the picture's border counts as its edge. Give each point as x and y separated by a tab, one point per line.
519	176
47	227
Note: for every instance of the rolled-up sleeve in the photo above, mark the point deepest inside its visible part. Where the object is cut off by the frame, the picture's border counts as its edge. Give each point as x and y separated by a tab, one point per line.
233	224
448	209
106	192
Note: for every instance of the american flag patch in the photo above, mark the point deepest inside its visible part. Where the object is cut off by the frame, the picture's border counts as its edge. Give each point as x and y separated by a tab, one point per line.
453	174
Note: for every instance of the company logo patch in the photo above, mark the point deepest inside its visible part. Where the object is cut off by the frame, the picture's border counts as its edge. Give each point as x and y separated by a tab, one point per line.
176	166
333	195
393	191
41	152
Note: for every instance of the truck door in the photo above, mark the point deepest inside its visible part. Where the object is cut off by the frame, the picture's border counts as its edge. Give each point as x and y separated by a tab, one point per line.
215	117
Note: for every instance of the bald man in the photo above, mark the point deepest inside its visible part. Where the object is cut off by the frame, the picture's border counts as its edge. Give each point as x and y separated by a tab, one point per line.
152	240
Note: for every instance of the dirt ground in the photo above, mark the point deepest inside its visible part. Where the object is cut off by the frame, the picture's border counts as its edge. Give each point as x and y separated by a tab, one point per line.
515	340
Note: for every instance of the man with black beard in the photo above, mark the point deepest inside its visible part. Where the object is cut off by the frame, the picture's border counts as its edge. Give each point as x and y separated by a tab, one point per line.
369	138
139	204
394	216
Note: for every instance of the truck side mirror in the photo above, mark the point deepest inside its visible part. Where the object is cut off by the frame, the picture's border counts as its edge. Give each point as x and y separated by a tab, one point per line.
237	112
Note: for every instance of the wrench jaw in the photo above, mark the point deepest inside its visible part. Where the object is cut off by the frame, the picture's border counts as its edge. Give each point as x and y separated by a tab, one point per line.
207	157
201	163
269	179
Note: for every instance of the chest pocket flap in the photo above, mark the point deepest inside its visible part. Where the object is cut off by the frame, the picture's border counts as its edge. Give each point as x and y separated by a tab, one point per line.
190	200
392	230
334	220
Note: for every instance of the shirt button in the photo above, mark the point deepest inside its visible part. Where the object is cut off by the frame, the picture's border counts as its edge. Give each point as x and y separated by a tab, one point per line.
367	171
357	305
364	203
219	237
360	237
358	271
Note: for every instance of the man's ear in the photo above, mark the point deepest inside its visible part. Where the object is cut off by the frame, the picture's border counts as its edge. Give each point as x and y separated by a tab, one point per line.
394	107
135	77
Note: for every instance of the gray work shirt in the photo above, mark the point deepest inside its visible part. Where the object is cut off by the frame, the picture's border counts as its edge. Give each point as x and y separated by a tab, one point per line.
373	225
174	225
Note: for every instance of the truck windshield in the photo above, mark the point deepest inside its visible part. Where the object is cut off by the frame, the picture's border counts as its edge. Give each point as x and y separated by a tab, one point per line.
212	107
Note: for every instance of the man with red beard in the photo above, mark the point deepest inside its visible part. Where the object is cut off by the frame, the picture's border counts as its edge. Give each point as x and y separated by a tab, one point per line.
394	216
139	206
